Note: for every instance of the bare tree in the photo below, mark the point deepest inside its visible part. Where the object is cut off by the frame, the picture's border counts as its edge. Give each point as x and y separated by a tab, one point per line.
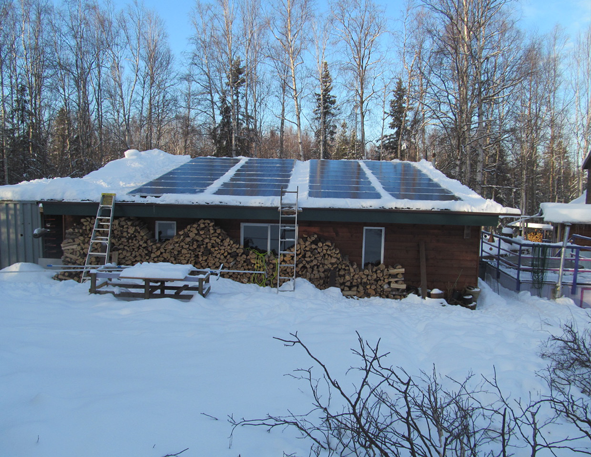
360	24
206	65
530	124
581	89
411	51
156	81
125	56
289	23
255	28
473	65
6	10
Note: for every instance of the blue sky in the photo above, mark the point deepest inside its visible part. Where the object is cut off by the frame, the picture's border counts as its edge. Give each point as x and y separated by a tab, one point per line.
535	15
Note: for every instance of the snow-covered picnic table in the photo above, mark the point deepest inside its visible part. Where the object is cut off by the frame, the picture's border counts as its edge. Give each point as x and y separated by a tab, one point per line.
151	280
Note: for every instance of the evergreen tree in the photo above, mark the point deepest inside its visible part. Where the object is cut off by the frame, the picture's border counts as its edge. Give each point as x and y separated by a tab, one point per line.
64	148
393	144
222	134
346	144
25	147
324	115
230	136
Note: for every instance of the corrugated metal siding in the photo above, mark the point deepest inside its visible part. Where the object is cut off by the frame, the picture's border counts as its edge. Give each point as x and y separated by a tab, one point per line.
18	220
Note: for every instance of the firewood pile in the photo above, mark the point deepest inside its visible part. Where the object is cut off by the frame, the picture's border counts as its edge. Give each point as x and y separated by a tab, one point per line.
321	262
205	246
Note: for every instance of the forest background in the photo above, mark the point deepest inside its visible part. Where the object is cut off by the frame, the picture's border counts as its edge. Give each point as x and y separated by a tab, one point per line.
456	82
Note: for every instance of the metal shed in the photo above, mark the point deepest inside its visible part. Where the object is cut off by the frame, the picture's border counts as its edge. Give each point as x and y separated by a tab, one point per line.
18	221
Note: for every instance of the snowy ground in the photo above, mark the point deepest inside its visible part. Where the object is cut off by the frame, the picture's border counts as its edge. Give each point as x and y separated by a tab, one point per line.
84	375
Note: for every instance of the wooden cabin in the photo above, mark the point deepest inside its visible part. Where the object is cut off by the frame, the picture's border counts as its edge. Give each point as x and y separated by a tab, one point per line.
375	213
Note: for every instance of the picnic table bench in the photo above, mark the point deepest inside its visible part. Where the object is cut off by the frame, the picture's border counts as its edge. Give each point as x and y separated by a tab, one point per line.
151	281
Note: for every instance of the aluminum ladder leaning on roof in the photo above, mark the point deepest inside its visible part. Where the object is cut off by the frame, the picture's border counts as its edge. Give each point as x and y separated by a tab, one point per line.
288	237
100	239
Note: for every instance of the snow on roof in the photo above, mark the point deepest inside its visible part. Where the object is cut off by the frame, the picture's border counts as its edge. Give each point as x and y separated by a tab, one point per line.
530	225
137	168
563	213
581	198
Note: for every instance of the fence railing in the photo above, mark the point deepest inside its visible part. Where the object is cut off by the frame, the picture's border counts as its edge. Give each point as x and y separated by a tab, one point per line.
521	259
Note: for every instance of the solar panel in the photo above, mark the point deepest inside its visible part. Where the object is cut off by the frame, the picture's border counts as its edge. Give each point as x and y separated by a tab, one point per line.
259	178
340	179
405	181
190	178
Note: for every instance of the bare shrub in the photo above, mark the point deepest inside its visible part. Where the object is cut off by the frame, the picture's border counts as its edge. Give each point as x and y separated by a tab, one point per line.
387	412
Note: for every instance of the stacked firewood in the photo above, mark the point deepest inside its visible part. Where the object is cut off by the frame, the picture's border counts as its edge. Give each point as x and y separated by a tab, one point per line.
321	262
206	246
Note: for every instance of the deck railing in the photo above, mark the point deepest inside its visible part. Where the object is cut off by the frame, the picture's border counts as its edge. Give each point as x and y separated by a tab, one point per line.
515	255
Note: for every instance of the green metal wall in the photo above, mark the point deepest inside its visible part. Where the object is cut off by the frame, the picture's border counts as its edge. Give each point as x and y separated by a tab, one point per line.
18	220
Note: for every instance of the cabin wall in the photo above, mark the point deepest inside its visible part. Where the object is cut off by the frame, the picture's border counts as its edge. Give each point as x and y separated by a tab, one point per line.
580	229
452	251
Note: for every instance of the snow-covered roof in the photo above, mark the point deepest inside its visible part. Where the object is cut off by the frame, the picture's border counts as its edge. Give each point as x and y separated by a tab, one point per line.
563	213
137	168
530	225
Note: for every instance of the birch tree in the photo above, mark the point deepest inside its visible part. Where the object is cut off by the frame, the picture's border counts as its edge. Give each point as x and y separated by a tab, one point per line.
359	25
472	65
581	89
289	26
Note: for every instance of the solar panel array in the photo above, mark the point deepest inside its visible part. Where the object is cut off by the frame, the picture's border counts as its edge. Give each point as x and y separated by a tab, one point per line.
190	178
343	179
340	179
403	180
259	178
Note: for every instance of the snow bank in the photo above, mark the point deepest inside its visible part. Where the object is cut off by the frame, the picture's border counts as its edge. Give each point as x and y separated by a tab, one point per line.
95	376
25	272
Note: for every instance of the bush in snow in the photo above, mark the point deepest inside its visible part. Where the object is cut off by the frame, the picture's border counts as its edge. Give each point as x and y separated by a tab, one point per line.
388	412
569	376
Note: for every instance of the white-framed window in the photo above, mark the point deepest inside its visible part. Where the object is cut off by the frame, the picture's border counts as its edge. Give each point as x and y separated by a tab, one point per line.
165	230
265	237
373	246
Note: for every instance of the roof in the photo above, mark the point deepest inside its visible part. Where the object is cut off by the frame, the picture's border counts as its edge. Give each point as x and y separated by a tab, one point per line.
157	178
566	213
530	225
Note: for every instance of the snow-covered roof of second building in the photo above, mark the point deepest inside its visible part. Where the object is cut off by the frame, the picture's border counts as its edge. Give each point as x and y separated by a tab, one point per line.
157	177
566	213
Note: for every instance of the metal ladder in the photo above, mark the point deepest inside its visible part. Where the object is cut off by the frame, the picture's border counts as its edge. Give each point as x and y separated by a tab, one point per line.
100	239
288	236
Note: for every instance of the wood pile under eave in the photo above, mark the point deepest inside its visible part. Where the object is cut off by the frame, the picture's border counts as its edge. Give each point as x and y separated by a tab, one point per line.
206	246
321	263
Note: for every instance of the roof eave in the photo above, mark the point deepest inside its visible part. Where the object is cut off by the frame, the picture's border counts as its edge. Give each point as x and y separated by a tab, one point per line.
372	216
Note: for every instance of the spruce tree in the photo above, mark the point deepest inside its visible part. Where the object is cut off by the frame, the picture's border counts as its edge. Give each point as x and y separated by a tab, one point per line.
393	144
222	134
229	136
325	114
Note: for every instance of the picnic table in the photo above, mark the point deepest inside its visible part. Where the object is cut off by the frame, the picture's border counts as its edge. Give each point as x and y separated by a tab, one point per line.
151	280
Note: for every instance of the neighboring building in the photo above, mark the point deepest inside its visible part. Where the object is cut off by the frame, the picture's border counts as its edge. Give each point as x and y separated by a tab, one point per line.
576	214
375	212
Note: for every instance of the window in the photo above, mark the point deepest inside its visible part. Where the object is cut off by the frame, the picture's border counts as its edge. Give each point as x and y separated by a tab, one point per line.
373	246
265	237
165	230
